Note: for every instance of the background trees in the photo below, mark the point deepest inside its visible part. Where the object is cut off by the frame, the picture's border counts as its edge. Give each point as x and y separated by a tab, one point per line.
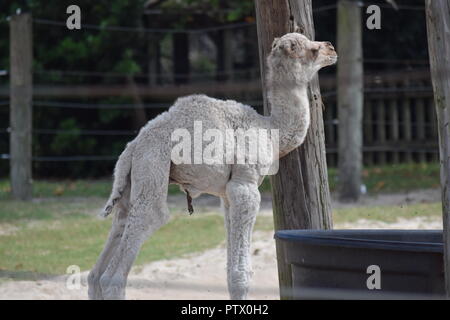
103	56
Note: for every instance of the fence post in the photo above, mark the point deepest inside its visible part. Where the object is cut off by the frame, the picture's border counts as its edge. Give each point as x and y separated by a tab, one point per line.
438	23
420	127
407	119
350	82
368	131
21	59
301	196
381	131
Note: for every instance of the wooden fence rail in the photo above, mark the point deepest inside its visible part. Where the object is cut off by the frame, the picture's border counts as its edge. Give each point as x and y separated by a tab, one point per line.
399	120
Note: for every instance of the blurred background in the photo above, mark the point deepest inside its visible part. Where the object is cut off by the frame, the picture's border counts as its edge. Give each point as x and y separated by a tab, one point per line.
94	88
132	59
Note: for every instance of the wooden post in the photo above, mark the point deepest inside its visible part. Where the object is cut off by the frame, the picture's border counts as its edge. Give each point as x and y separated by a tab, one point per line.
420	127
368	131
139	116
181	66
381	130
350	81
301	197
224	55
21	59
438	25
434	128
154	63
394	126
407	120
329	133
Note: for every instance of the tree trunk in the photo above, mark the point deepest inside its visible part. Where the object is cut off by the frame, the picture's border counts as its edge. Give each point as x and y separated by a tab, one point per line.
21	83
224	55
438	25
350	83
301	198
181	67
154	60
139	115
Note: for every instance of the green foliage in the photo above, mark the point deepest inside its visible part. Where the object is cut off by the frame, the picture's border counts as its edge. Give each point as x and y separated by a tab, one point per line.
223	11
57	48
240	10
127	65
126	53
66	141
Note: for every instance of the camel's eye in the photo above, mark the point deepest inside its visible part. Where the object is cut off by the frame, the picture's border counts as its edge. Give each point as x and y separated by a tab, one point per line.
293	46
314	52
275	42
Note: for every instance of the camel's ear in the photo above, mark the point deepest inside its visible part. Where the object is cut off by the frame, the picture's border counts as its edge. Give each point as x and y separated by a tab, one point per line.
274	43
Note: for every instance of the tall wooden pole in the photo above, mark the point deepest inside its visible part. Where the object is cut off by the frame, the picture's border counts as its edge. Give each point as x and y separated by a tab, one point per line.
224	55
350	82
438	25
21	57
181	66
301	197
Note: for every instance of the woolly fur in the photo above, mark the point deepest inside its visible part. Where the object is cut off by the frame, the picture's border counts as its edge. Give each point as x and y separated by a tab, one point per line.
144	169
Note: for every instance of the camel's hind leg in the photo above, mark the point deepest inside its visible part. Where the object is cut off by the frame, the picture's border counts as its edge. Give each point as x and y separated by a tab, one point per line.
115	235
148	212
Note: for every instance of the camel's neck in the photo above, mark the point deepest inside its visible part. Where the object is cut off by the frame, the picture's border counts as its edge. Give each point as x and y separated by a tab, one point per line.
290	114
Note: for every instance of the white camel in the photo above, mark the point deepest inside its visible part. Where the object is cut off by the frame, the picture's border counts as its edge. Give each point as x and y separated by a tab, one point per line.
145	169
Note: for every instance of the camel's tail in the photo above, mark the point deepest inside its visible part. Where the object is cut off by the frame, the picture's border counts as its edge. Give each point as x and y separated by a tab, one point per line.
121	179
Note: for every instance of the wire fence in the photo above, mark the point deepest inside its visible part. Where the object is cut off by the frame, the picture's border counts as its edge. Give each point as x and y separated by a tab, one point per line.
190	75
75	105
206	76
229	26
146	30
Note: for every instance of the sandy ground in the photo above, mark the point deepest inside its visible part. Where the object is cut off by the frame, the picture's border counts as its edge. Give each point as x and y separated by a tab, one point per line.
202	276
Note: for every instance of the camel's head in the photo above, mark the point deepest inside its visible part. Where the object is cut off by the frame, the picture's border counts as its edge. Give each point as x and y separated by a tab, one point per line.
295	57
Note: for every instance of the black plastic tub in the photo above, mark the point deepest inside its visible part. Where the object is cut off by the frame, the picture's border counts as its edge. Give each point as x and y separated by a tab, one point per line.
333	264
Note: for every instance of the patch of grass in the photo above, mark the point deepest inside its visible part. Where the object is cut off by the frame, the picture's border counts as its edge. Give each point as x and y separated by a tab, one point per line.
58	229
392	178
264	223
76	188
396	178
387	213
16	211
183	235
51	248
70	234
68	189
45	237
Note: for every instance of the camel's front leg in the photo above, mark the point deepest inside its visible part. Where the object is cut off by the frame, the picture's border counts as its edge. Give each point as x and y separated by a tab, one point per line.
244	200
